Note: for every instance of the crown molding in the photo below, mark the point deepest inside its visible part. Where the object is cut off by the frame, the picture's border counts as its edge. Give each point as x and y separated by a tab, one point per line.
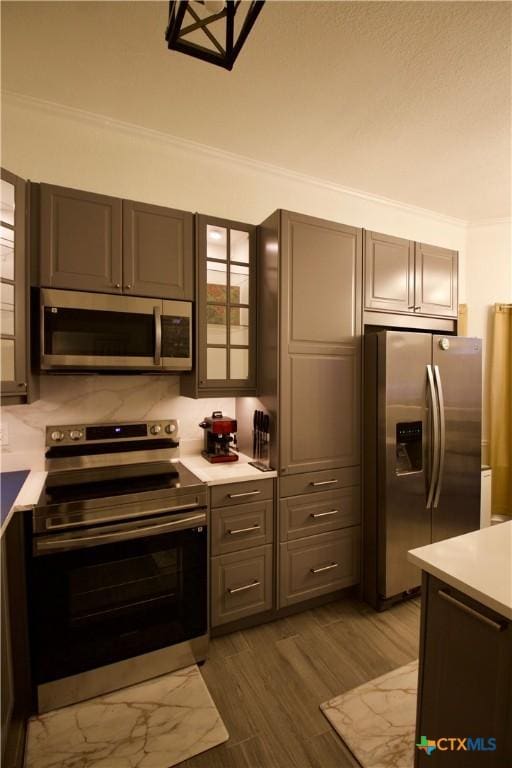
73	113
490	222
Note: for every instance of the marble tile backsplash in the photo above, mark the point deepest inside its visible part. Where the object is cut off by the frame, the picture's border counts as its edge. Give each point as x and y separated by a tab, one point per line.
68	399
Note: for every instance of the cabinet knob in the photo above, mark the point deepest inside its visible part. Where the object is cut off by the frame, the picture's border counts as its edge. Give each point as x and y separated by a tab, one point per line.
117	285
128	286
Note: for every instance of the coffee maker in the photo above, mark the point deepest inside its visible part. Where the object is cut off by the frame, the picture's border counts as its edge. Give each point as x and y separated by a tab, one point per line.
219	432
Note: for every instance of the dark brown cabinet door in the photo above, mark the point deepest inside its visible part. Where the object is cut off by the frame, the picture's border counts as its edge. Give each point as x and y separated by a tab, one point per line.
6	653
81	240
436	280
320	344
388	273
157	251
465	682
13	288
225	357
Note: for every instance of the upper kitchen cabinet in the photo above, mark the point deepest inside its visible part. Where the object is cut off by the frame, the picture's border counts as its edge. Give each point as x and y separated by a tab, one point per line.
436	272
309	297
158	248
13	284
225	310
80	240
401	276
389	273
91	242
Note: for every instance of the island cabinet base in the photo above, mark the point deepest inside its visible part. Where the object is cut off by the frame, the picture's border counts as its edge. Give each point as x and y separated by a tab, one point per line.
465	681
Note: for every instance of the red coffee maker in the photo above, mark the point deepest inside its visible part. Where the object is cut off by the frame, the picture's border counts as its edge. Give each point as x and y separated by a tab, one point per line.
219	433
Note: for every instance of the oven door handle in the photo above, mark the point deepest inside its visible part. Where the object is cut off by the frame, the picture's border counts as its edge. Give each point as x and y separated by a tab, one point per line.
57	543
51	526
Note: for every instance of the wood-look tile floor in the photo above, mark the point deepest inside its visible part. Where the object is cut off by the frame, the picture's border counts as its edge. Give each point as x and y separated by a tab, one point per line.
269	681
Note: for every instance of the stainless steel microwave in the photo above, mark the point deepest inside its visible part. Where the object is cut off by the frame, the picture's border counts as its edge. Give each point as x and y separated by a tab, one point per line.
97	331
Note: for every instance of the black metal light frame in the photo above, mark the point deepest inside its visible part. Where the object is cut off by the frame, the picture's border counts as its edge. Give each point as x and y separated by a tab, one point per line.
183	20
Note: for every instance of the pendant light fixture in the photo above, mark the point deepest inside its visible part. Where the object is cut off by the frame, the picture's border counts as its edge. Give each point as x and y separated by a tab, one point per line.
211	30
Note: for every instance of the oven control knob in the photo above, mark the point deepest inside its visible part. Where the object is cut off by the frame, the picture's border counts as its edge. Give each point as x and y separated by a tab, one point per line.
57	436
155	429
170	428
76	434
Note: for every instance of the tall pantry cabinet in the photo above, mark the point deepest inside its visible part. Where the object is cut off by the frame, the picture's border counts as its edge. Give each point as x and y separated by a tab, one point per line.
309	299
309	289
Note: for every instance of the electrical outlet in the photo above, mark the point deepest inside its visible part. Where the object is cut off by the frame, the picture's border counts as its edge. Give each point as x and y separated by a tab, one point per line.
4	434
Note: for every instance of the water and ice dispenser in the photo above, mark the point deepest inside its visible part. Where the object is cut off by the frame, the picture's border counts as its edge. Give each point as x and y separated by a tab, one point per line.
409	447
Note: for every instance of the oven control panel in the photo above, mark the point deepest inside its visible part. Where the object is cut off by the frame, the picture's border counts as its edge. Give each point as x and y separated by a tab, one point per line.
76	434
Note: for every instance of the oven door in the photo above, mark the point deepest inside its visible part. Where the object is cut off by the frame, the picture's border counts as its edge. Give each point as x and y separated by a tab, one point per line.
89	330
110	593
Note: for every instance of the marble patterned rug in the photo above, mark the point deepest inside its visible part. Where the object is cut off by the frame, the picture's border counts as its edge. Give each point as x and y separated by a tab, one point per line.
155	724
377	720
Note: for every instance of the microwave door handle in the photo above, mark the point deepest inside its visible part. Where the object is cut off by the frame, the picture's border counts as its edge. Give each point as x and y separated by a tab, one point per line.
157	314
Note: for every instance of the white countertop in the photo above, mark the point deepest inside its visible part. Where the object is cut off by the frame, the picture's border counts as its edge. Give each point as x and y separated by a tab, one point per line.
222	473
478	563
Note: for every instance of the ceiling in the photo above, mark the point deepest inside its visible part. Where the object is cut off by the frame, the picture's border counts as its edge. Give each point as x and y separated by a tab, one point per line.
408	100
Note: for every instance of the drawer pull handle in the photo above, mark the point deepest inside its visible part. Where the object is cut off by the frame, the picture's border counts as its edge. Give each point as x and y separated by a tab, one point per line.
234	531
239	495
324	568
324	514
471	611
244	588
323	482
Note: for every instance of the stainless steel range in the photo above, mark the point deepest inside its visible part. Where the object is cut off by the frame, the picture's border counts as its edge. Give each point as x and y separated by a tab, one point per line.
118	577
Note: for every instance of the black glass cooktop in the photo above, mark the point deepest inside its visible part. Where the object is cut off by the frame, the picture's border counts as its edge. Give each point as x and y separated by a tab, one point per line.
103	482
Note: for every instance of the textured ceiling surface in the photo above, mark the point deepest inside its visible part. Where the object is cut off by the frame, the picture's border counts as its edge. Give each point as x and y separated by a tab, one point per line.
408	100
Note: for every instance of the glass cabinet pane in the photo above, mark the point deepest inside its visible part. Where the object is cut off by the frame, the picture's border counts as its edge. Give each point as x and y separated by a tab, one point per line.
7	202
239	364
7	253
7	358
239	277
216	324
216	282
216	363
239	244
239	326
7	309
216	242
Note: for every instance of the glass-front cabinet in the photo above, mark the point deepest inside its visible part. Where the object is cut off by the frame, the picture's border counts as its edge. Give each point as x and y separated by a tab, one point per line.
225	312
13	288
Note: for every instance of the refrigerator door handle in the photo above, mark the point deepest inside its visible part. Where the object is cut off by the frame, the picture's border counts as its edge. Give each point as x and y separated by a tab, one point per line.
434	471
442	439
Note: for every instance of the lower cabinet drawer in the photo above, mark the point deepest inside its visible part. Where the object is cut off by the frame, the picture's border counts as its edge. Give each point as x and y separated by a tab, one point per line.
301	516
318	565
241	526
240	493
241	584
319	481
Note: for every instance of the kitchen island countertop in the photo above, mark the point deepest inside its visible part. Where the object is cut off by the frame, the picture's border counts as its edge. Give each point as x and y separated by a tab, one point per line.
479	564
28	485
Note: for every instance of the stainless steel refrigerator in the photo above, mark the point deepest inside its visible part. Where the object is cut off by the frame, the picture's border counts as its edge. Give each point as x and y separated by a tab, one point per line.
422	451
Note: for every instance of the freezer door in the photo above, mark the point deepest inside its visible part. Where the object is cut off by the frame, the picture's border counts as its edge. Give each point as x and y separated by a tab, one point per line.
456	504
403	455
